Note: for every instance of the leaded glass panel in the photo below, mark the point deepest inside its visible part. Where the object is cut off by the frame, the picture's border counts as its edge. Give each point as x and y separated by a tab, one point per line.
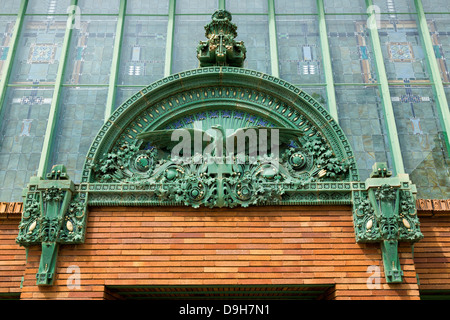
254	31
436	5
439	27
9	7
404	56
299	51
395	6
22	136
6	31
81	115
147	6
350	49
361	118
90	53
248	6
143	50
99	6
189	30
344	6
421	140
295	7
47	6
197	6
38	52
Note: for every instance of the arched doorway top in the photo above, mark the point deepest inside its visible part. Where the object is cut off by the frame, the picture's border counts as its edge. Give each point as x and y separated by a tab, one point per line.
234	98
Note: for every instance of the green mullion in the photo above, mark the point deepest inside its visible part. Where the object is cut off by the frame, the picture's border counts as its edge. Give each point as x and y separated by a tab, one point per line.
16	85
114	74
416	84
55	105
331	94
296	14
249	14
131	86
65	14
343	84
221	4
364	13
85	85
438	87
310	85
194	14
145	15
391	84
391	127
9	58
273	40
169	39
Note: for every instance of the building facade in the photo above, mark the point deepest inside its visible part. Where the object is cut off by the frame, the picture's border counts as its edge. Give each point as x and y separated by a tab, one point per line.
355	208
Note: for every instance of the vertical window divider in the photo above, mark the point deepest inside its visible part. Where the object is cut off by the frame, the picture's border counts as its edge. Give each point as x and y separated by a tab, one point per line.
169	40
438	87
326	57
114	74
273	40
47	146
391	127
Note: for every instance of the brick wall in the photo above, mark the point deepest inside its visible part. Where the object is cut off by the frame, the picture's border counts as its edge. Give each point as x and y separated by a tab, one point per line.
432	254
245	246
12	256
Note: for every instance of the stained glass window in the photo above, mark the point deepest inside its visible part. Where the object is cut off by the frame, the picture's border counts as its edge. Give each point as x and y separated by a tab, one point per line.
361	118
421	140
81	116
22	136
87	79
299	52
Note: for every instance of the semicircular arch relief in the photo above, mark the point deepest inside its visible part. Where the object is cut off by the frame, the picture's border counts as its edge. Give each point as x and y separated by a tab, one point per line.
319	157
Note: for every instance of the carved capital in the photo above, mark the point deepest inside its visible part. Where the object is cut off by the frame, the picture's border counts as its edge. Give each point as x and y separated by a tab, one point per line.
385	212
53	214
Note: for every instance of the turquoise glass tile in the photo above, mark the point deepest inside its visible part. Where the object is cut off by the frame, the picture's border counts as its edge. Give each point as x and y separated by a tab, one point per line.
90	53
361	118
421	141
38	51
299	51
99	6
197	6
143	50
148	6
81	116
22	137
47	7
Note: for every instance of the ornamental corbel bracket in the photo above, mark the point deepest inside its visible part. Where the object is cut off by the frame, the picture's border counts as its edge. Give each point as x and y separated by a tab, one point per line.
52	215
384	212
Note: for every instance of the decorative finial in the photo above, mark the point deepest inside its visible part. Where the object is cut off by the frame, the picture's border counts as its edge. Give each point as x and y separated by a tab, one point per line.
221	49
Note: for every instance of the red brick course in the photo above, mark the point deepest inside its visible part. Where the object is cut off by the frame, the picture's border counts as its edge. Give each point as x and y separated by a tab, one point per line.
245	246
